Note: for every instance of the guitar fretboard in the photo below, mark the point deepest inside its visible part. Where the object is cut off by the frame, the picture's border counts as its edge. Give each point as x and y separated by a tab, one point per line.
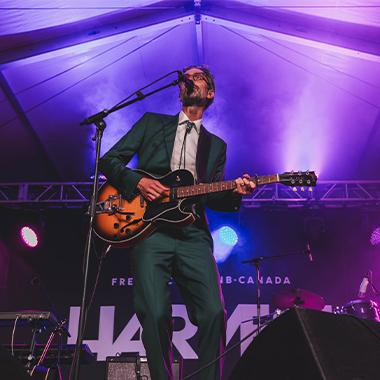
215	187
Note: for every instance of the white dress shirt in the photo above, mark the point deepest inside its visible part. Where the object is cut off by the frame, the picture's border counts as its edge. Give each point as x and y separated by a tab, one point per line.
191	145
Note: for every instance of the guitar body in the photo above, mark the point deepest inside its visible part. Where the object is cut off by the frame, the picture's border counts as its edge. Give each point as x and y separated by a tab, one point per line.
122	223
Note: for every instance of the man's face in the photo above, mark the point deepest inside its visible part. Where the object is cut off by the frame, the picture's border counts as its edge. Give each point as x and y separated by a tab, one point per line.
200	94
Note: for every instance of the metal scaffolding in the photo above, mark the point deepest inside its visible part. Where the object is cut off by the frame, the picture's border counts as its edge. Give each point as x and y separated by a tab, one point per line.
325	194
50	194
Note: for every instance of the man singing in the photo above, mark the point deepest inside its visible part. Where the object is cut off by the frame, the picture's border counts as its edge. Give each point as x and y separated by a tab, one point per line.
164	143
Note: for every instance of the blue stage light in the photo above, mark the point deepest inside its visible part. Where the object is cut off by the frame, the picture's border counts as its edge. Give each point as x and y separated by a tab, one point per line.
225	238
228	236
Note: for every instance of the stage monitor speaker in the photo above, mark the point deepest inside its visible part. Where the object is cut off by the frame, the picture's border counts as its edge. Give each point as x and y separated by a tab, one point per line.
313	345
128	367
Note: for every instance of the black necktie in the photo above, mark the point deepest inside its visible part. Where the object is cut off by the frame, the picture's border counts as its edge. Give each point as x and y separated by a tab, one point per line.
189	126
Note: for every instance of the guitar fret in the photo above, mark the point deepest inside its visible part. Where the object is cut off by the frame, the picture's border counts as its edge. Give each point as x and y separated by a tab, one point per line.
266	179
204	188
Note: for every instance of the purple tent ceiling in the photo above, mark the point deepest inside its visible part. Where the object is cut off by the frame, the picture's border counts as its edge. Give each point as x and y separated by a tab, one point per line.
298	85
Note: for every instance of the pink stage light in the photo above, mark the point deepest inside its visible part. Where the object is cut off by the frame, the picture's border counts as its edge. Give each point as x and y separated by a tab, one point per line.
29	236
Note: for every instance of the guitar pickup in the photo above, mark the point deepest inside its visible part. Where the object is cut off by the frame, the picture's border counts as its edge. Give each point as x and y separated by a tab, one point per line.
173	194
142	201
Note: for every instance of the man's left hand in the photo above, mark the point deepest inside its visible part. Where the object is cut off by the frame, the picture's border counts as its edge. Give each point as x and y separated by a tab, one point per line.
244	186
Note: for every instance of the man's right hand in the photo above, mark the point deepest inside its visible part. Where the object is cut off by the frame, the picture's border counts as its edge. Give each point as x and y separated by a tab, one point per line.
151	189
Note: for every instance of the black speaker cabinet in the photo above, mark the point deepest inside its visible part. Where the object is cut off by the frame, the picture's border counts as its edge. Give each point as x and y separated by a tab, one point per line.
127	368
313	345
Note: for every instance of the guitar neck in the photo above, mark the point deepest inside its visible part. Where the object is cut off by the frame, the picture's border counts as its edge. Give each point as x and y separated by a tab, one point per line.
216	187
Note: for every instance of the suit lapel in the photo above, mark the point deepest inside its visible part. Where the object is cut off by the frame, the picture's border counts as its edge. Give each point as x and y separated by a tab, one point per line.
170	129
203	152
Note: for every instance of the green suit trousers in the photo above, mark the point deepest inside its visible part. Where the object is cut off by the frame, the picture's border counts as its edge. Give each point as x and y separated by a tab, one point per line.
186	255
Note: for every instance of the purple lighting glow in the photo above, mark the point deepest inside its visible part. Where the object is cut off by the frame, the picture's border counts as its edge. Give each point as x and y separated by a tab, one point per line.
29	237
375	236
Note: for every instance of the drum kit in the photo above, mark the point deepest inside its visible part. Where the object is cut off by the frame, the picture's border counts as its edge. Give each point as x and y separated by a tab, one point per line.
360	308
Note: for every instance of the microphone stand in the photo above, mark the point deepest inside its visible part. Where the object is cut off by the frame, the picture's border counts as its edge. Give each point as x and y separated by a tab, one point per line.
256	261
100	124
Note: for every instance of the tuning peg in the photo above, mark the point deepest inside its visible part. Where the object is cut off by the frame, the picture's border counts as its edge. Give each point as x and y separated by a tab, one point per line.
294	189
302	188
310	189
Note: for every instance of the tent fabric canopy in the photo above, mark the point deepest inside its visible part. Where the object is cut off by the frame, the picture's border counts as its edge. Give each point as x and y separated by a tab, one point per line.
298	82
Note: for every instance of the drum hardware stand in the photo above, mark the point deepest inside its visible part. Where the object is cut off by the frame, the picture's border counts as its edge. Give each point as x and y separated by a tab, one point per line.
373	287
264	319
100	125
256	261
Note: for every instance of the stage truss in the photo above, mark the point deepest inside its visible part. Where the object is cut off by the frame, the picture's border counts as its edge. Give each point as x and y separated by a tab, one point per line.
325	194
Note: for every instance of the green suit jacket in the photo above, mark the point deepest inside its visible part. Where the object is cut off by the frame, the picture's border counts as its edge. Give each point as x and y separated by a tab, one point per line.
152	139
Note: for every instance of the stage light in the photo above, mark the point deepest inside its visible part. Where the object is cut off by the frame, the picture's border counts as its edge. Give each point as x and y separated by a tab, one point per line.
375	236
225	238
228	236
29	236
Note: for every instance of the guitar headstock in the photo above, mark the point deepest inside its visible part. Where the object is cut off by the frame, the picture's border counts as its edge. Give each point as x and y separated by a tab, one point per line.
304	179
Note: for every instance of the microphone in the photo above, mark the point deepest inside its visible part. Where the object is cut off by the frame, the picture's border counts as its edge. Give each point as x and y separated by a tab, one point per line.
189	84
363	287
308	252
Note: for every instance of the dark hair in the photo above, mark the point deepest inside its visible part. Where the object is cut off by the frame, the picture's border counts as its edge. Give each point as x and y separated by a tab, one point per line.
209	79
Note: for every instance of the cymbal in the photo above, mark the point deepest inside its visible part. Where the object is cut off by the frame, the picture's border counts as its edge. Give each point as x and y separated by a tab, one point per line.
298	297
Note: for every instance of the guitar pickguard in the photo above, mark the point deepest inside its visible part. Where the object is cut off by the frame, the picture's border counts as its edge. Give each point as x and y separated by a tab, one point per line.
172	211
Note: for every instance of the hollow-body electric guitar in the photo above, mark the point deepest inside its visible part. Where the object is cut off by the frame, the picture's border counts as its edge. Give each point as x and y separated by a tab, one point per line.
122	223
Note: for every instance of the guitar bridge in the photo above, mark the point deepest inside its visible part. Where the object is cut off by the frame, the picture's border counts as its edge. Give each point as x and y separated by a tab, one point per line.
111	205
